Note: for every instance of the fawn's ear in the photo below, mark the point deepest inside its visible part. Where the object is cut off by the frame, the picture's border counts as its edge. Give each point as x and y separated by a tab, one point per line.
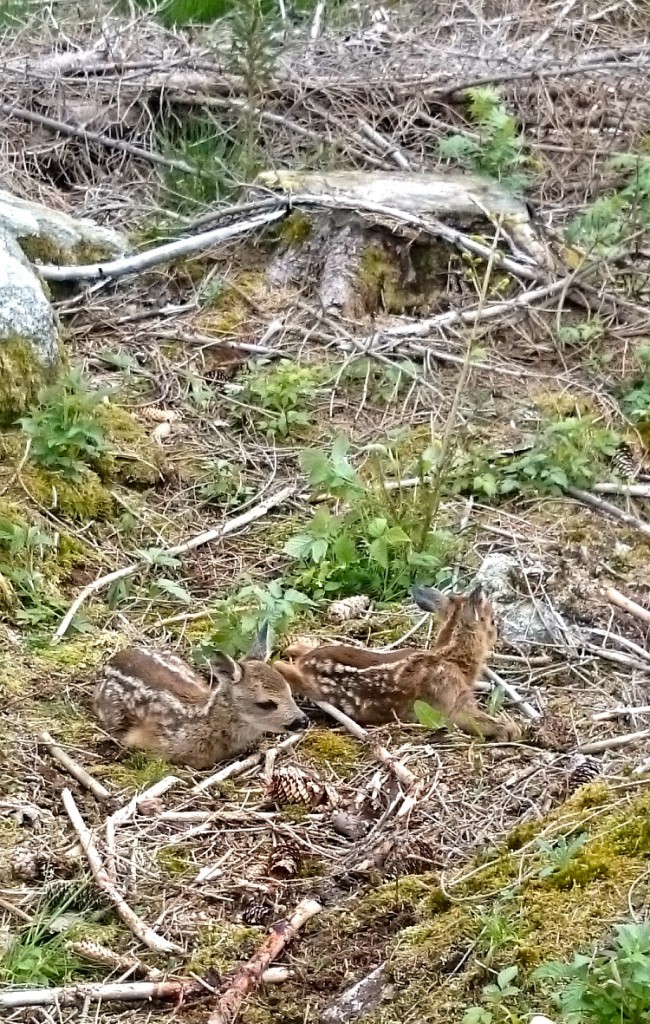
225	669
477	601
429	599
262	645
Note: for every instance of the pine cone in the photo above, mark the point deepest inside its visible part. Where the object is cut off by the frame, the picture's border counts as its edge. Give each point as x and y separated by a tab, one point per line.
412	857
348	608
624	462
258	907
293	785
285	860
27	865
585	769
157	415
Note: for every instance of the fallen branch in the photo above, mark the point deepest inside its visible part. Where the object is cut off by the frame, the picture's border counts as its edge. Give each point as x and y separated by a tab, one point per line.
63	128
246	979
257	512
239	767
126	812
399	770
586	498
125	991
612	742
627	490
141	930
74	769
526	709
631	607
161	253
605	716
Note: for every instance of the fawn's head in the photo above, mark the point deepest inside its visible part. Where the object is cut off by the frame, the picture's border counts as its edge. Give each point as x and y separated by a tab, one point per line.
259	695
462	615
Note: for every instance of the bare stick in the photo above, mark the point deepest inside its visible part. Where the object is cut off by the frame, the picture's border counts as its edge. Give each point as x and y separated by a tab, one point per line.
617	657
72	766
631	607
104	140
162	253
257	512
71	995
613	741
400	771
141	930
627	490
384	145
629	645
586	498
605	716
239	767
526	709
125	813
246	979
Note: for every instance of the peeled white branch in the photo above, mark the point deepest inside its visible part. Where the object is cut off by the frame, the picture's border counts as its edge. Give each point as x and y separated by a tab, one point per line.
162	253
141	930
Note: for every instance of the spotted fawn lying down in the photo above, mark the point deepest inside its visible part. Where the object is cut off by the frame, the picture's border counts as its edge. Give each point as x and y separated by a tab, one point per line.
375	688
155	701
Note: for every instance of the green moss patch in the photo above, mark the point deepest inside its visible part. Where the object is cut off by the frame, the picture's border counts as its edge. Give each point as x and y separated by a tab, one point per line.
22	375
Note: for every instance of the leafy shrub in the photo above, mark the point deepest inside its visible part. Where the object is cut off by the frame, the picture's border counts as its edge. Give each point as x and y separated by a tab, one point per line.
499	150
636	403
566	452
237	618
63	428
610	987
281	393
613	223
365	548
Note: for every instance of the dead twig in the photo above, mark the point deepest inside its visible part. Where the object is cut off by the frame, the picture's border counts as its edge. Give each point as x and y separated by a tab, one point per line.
246	979
256	512
631	607
239	767
161	253
71	995
612	742
586	498
63	128
73	767
141	930
526	709
400	771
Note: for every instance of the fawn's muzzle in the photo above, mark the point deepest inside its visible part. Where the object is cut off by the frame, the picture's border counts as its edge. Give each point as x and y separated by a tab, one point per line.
301	722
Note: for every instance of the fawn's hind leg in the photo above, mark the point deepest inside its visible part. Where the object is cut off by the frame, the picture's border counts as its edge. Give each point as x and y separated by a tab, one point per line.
466	715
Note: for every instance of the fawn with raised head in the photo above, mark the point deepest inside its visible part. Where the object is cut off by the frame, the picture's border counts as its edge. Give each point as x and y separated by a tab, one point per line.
154	701
375	688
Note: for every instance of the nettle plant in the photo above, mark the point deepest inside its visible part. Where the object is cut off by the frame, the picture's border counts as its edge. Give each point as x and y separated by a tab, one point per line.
499	149
281	395
237	619
368	545
568	452
607	987
65	434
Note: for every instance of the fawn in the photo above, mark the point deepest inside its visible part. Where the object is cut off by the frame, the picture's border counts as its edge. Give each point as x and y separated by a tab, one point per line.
375	688
154	701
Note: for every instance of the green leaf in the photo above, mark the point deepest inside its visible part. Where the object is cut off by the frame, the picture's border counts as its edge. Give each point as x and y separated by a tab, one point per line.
319	549
173	589
298	546
396	535
507	975
378	551
429	717
377	527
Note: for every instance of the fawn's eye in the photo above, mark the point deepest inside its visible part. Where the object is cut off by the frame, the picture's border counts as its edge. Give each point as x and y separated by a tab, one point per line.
267	705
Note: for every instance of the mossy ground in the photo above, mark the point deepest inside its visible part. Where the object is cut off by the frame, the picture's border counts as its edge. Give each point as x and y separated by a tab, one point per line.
22	376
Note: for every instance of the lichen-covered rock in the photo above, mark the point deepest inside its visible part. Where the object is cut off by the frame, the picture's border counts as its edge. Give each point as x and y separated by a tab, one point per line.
51	236
29	342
